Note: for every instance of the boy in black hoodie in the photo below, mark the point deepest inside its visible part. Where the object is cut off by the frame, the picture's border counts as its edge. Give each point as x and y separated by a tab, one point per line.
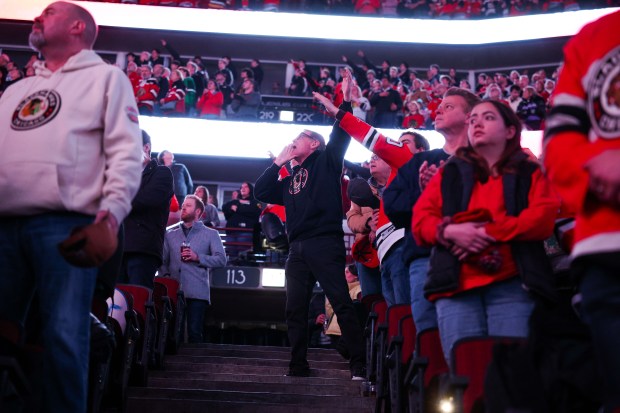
311	195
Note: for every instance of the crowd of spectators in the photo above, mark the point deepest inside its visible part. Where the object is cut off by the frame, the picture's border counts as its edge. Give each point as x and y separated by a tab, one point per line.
386	95
185	88
486	231
400	97
440	9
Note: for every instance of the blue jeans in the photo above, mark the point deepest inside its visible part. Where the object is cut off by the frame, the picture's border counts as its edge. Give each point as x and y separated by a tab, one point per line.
196	310
395	277
31	264
370	279
600	305
423	311
499	309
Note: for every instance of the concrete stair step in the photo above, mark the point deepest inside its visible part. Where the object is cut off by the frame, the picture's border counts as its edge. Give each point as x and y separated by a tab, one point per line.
247	361
292	385
240	369
140	405
314	379
261	398
237	378
258	352
241	347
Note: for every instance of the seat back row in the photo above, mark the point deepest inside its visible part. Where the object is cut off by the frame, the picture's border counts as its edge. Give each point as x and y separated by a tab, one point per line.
408	368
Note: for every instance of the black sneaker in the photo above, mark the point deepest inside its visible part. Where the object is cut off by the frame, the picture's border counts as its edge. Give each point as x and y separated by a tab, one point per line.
298	373
358	373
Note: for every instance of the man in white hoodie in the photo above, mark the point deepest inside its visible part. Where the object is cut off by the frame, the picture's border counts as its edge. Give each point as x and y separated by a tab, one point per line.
71	145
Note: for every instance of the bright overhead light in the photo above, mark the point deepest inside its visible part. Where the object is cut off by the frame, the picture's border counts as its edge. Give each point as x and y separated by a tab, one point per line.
302	25
273	277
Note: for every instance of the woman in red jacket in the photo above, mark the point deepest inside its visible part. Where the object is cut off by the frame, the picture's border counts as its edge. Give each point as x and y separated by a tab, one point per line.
487	212
211	101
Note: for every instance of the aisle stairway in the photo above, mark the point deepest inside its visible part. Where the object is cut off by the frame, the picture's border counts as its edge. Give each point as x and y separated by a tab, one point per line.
235	378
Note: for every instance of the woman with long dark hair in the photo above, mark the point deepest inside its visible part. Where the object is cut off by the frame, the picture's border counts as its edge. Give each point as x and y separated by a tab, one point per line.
242	212
487	213
210	216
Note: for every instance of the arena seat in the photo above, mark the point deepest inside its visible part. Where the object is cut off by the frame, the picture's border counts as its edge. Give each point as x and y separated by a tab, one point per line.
428	366
370	299
376	316
399	357
177	298
147	320
386	331
163	308
470	359
102	345
123	321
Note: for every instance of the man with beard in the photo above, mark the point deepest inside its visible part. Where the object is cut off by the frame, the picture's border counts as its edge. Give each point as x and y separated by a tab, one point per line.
68	164
190	251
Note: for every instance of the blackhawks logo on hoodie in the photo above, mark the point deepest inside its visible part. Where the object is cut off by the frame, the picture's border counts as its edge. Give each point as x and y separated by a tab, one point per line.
36	110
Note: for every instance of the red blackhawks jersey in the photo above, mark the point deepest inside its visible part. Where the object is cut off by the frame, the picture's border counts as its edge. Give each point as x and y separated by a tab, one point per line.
146	92
584	122
176	94
395	154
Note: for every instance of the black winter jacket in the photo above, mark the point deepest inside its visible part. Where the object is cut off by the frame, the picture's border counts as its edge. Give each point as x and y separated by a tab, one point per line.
145	225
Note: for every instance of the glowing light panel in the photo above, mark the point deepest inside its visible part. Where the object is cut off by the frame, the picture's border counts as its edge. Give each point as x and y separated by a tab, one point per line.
297	25
255	140
273	277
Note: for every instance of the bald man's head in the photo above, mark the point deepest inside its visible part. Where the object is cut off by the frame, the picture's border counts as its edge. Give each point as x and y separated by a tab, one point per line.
89	34
61	23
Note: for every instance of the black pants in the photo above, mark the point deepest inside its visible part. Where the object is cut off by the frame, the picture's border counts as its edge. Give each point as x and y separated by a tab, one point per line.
139	269
319	259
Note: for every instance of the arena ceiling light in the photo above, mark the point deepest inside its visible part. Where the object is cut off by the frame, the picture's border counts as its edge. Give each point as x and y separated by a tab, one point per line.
297	25
257	139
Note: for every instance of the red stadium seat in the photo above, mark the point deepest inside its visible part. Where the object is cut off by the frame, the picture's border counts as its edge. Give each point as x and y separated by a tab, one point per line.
123	320
429	365
376	316
369	300
101	352
147	320
470	360
163	307
400	355
385	333
177	298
